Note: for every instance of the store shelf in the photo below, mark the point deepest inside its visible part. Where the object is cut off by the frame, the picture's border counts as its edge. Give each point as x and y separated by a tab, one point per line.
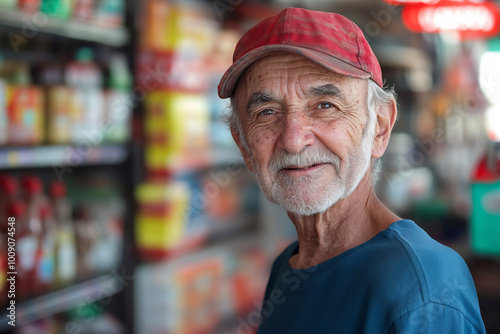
63	300
61	156
114	36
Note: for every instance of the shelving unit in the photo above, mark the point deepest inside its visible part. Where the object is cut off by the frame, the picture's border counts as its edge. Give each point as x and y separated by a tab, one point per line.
119	159
58	301
61	155
114	36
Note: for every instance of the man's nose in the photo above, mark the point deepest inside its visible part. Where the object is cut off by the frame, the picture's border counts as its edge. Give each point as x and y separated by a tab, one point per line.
296	133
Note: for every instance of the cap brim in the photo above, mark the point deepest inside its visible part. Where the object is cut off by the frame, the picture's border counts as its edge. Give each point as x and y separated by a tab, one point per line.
229	79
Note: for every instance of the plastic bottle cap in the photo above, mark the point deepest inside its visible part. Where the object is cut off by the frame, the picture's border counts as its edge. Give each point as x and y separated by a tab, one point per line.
32	184
16	209
57	189
8	184
85	55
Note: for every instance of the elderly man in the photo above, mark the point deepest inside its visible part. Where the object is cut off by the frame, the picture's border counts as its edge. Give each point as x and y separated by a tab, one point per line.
311	119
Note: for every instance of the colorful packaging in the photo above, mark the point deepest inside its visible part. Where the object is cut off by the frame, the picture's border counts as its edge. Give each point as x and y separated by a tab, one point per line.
25	114
26	249
46	264
3	113
161	220
84	10
59	116
182	296
110	12
154	23
485	220
58	9
65	243
29	5
85	79
177	130
180	37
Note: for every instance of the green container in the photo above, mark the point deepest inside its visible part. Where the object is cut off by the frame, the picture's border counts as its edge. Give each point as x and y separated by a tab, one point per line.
485	220
60	9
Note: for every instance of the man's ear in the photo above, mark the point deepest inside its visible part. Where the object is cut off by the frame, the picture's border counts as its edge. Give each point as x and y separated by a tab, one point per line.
386	117
244	152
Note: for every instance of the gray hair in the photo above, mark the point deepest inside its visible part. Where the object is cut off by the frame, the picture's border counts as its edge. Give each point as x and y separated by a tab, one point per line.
377	97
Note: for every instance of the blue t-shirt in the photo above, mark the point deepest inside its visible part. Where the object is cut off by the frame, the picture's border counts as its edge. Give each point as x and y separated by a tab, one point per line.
400	281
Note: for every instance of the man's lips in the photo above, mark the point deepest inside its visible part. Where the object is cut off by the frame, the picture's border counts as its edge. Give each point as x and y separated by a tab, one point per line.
297	171
301	168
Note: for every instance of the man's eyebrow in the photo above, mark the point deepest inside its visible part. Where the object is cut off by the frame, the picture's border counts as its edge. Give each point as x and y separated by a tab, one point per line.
259	98
326	90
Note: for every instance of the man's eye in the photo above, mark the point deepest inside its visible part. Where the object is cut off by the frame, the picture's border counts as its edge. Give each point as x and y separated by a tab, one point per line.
266	112
325	105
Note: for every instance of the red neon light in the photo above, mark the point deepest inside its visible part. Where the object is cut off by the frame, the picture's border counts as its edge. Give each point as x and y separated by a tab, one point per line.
470	20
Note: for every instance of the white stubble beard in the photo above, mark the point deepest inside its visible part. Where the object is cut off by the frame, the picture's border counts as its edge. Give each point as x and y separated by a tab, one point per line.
304	196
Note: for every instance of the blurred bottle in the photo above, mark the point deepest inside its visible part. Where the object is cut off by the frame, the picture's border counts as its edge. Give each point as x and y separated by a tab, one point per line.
34	199
46	262
65	256
8	193
3	266
25	107
29	5
59	98
86	240
110	12
84	10
3	113
85	79
107	250
26	247
118	102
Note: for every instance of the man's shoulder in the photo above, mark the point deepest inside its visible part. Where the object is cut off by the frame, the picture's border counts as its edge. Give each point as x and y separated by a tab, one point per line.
405	244
412	270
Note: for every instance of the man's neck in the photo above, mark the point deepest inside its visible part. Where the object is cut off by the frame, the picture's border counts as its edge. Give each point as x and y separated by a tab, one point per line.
347	224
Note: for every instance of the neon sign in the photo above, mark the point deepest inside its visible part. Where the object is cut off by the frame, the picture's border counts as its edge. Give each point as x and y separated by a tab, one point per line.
470	20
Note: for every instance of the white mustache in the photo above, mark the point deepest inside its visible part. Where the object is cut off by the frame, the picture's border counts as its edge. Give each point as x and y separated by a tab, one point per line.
307	157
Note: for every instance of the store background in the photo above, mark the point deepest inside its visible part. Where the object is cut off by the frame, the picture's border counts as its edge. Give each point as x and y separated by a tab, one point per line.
134	211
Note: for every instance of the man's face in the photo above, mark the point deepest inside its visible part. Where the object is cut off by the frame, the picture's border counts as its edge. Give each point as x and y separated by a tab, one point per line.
306	130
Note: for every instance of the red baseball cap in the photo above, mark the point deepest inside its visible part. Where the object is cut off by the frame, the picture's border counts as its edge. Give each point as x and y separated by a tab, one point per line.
328	39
